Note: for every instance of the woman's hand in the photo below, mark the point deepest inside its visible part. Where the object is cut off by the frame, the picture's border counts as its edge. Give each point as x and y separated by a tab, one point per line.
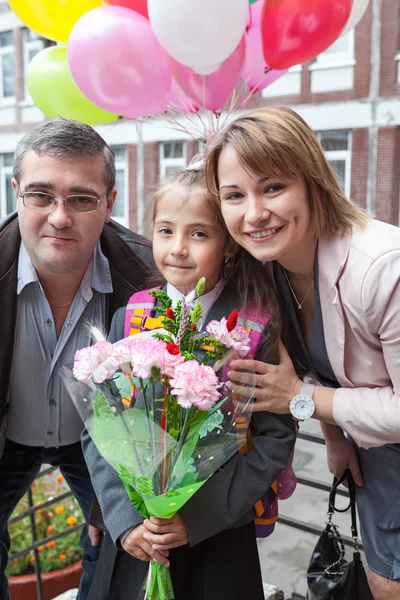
342	455
136	544
272	385
166	533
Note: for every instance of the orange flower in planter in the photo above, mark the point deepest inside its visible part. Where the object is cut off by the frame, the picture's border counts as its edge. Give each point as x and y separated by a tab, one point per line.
51	544
62	557
50	529
59	510
71	521
60	478
40	548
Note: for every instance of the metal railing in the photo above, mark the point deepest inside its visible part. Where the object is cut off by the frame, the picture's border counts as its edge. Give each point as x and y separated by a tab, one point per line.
316	485
36	543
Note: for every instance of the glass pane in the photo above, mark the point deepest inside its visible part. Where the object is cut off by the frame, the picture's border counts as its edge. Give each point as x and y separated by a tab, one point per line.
169	170
6	39
342	44
178	150
31	36
119	205
32	52
10	198
120	153
167	150
339	167
8	76
335	140
8	160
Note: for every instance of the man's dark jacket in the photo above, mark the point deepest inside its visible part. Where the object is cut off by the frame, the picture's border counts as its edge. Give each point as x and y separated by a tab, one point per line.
130	259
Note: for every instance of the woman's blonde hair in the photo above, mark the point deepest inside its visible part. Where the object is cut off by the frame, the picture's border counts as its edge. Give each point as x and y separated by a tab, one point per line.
277	141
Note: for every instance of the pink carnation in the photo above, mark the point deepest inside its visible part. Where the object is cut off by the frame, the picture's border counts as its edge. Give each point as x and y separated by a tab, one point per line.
145	354
195	385
238	339
98	362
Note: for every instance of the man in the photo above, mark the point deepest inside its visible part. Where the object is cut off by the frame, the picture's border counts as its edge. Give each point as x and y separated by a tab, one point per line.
62	263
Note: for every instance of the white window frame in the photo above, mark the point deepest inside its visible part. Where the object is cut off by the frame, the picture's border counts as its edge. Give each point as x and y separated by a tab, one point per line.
345	155
4	171
397	58
123	165
4	51
177	163
29	45
345	58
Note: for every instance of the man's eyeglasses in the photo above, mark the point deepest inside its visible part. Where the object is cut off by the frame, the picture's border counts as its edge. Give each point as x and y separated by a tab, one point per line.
77	203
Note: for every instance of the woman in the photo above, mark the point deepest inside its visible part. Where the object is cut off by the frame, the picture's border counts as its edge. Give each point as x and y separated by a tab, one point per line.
338	275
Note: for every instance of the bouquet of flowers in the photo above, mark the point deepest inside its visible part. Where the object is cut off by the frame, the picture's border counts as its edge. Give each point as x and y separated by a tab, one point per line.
159	413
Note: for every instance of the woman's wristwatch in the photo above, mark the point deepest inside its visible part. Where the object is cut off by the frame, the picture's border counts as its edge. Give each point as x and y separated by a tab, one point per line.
302	405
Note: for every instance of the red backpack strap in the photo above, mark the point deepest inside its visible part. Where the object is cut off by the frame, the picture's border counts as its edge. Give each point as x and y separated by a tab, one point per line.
139	312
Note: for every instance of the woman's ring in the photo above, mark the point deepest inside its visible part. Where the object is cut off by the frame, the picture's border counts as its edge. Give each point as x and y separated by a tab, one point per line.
260	382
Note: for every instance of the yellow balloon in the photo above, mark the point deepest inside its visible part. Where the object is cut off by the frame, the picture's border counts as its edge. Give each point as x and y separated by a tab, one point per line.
53	19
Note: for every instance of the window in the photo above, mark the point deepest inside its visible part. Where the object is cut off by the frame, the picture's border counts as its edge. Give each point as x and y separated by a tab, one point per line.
339	53
337	148
7	197
120	210
172	157
7	68
33	44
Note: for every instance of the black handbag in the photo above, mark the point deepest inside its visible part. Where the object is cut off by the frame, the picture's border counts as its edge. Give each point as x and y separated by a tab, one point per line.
329	575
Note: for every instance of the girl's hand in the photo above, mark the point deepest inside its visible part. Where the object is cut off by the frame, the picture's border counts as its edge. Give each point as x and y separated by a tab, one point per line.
136	544
341	455
273	385
166	533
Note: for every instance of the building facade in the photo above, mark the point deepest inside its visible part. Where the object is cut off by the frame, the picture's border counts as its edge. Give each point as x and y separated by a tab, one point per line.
350	94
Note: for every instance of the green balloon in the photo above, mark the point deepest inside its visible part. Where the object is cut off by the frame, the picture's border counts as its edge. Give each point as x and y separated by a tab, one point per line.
252	1
55	92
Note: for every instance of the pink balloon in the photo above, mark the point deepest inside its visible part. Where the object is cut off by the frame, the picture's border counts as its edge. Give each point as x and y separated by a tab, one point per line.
212	91
179	101
254	74
117	62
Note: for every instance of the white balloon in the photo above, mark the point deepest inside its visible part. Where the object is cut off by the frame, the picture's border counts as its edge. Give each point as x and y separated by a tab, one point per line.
199	34
357	12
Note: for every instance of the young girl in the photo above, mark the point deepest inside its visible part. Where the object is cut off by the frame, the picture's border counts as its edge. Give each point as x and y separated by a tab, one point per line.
210	544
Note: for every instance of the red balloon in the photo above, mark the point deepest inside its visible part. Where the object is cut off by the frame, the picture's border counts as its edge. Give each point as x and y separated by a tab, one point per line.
294	31
139	6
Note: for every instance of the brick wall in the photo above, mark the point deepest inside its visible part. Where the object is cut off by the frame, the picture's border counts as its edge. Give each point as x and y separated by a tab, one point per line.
359	166
388	175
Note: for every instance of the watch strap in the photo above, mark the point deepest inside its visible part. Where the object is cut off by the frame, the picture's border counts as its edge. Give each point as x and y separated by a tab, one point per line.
307	389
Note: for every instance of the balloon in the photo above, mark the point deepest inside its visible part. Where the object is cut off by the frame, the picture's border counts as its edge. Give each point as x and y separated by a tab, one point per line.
118	63
212	91
253	2
199	34
178	100
294	31
254	74
139	6
53	19
54	91
357	12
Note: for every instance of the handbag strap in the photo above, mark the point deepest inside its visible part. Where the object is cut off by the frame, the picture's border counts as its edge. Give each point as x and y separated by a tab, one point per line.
352	504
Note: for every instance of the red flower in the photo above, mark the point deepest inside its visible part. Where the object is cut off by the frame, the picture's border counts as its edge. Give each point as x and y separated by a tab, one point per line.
170	314
193	327
232	320
173	349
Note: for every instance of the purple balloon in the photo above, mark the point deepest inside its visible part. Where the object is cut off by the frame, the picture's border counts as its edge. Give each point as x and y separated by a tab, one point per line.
212	91
254	74
117	62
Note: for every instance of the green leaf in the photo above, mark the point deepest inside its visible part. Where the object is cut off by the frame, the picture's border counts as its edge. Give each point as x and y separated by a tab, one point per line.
196	313
124	475
101	408
172	494
144	486
123	384
211	423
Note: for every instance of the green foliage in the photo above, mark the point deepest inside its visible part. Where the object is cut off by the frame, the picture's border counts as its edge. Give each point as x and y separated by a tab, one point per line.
57	517
101	408
124	474
196	313
144	486
123	384
211	423
162	297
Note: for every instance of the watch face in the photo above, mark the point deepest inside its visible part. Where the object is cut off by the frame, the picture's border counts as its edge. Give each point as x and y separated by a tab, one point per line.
302	407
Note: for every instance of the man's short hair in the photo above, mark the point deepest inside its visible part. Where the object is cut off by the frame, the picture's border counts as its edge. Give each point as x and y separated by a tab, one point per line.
63	138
